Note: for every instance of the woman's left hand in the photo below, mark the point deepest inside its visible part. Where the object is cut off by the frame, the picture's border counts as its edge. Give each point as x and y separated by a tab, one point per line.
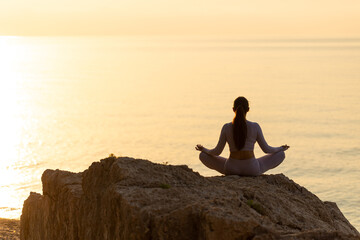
199	147
285	147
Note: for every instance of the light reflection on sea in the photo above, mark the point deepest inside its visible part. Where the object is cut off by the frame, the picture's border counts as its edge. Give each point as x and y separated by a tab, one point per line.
67	102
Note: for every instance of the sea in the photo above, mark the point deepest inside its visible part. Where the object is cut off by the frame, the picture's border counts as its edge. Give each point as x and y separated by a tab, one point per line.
69	101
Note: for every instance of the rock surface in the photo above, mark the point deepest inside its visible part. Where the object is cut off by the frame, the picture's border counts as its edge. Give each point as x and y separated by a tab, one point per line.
125	198
9	229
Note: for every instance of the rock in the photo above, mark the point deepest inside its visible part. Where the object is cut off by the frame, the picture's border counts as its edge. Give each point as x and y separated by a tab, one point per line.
126	198
9	229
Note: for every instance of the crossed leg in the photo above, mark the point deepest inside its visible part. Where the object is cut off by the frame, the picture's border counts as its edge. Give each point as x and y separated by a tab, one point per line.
213	162
270	161
266	162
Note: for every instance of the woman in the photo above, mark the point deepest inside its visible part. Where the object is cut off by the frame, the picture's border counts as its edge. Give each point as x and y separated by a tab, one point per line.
241	136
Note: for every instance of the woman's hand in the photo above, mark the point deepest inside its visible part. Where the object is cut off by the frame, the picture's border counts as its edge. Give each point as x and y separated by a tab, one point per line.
285	147
199	147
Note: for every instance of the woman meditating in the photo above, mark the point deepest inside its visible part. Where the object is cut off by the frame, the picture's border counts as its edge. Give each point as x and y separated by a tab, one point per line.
241	136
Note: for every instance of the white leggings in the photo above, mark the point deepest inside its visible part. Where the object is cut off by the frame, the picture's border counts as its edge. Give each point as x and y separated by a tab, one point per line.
248	167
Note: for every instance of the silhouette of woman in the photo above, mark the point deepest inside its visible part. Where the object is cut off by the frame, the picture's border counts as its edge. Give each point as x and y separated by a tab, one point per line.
241	136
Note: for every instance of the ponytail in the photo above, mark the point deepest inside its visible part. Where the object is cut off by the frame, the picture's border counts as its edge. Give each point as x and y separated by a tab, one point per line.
241	107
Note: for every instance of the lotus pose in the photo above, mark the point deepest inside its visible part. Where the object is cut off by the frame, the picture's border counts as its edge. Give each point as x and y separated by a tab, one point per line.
241	136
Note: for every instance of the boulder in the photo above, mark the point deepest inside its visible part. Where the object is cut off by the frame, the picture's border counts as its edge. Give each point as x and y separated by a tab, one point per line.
126	198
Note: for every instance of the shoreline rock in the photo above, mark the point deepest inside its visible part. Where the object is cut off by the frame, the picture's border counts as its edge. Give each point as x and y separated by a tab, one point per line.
126	198
9	229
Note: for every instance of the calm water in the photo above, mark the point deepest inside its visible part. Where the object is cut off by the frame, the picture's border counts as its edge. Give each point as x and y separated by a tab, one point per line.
67	102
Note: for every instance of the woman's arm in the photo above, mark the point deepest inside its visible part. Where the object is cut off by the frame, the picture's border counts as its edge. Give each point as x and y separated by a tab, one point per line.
263	144
219	147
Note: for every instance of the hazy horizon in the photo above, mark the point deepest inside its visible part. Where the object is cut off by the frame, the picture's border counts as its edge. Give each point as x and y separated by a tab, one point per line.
220	18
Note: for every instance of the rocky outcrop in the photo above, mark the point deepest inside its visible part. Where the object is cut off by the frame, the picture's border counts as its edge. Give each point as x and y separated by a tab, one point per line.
125	198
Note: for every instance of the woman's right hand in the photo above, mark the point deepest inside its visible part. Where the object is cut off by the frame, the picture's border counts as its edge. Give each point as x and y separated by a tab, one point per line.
285	147
199	147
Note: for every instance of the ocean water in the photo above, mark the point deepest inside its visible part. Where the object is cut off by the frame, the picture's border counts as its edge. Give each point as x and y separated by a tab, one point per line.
69	101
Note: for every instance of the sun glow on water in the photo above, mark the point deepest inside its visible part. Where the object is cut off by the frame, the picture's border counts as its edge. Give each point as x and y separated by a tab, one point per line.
68	101
12	125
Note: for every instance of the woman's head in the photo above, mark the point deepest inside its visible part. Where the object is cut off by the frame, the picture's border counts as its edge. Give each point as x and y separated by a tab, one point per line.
241	102
241	107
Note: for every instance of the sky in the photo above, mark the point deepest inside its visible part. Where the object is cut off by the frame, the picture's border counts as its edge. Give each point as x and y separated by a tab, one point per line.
181	17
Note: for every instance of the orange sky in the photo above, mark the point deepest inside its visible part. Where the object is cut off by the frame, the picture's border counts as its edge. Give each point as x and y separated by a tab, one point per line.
199	17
